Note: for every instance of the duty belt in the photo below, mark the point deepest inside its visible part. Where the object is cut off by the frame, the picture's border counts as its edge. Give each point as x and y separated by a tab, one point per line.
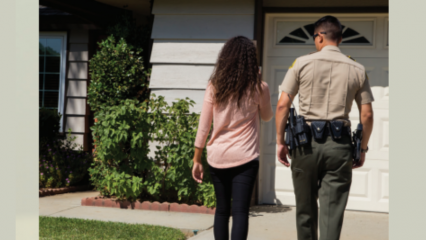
345	131
333	128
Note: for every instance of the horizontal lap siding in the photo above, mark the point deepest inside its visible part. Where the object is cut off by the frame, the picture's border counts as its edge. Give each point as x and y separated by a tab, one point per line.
170	95
77	74
180	76
76	124
77	88
203	7
202	26
188	36
186	51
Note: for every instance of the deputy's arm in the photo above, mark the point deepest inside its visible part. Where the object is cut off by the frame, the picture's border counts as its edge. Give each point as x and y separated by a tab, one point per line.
366	118
364	98
281	116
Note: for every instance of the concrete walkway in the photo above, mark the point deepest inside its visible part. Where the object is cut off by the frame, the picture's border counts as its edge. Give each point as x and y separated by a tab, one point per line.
281	225
266	222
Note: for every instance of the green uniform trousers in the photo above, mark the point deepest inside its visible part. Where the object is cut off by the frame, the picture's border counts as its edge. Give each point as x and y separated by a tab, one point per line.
321	170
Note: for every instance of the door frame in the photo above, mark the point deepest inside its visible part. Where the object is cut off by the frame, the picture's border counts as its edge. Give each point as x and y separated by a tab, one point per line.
260	34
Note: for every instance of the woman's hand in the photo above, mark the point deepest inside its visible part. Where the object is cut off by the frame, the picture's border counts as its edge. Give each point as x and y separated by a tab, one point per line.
197	172
197	168
282	151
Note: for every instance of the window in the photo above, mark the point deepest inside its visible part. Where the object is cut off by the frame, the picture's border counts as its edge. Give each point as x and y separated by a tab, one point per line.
301	32
52	54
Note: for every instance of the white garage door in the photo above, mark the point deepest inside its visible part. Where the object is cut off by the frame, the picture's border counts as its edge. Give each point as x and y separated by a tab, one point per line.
365	38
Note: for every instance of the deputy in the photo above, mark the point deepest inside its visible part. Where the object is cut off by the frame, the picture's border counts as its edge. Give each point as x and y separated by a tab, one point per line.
327	82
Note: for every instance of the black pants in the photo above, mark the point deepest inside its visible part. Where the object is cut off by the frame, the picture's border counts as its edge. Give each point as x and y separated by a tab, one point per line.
236	183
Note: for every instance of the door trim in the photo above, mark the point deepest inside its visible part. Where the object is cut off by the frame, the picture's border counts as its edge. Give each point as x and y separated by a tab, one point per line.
269	13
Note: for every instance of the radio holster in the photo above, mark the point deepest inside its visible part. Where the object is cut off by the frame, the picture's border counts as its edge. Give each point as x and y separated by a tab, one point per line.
356	143
297	132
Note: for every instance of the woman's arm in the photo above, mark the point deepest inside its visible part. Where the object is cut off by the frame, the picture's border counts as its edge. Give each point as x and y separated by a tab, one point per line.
265	106
204	126
205	122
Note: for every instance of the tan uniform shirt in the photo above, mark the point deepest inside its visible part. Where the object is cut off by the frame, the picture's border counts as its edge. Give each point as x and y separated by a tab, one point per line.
327	82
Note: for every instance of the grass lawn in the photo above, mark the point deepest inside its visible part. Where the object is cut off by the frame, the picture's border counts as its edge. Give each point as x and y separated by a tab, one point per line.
70	228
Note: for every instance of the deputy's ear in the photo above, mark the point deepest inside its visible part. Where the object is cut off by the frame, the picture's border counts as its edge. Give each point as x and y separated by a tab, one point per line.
340	40
321	40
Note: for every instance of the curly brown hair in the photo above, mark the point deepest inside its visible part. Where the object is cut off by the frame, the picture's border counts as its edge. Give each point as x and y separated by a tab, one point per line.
236	72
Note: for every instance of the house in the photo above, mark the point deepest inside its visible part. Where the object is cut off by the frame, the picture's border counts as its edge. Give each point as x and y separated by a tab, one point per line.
187	36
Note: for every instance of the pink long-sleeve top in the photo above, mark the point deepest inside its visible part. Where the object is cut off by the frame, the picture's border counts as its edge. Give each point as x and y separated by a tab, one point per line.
235	136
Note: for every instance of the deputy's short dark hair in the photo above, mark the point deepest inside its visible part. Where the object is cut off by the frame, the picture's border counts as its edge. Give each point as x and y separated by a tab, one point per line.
331	25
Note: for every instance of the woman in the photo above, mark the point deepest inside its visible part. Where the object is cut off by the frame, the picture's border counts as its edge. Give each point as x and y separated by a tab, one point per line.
234	99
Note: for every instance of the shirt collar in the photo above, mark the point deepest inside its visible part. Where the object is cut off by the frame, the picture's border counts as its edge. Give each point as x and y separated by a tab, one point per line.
331	48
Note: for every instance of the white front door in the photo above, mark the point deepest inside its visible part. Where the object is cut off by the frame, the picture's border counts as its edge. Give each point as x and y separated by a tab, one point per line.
365	38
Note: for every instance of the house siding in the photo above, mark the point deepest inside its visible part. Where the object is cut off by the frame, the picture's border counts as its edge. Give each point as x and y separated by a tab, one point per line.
187	39
76	82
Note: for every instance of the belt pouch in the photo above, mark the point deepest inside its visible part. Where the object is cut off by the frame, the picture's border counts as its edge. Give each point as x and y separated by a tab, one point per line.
300	130
287	136
318	129
294	140
336	129
300	121
308	132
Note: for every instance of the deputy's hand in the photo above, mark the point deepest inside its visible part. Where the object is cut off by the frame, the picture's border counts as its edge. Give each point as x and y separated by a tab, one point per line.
282	152
197	172
360	162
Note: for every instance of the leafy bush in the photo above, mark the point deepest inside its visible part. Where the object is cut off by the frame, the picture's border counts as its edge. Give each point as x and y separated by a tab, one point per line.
49	124
61	163
127	122
135	35
117	73
175	131
123	167
121	149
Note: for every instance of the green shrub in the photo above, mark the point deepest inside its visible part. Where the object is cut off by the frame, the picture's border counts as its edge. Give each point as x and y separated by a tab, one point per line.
117	74
127	122
123	167
61	163
175	129
121	149
49	124
135	35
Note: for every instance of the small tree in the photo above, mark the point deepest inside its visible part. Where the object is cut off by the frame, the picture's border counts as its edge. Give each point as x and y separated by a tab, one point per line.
117	73
135	35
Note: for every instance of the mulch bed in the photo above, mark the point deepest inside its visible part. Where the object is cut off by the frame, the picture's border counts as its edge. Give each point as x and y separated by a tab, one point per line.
53	191
146	205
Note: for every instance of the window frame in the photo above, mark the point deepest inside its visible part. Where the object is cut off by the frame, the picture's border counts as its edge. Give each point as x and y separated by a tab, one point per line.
62	71
311	17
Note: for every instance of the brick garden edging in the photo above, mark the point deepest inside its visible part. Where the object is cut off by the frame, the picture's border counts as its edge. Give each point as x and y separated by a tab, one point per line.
53	191
146	205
